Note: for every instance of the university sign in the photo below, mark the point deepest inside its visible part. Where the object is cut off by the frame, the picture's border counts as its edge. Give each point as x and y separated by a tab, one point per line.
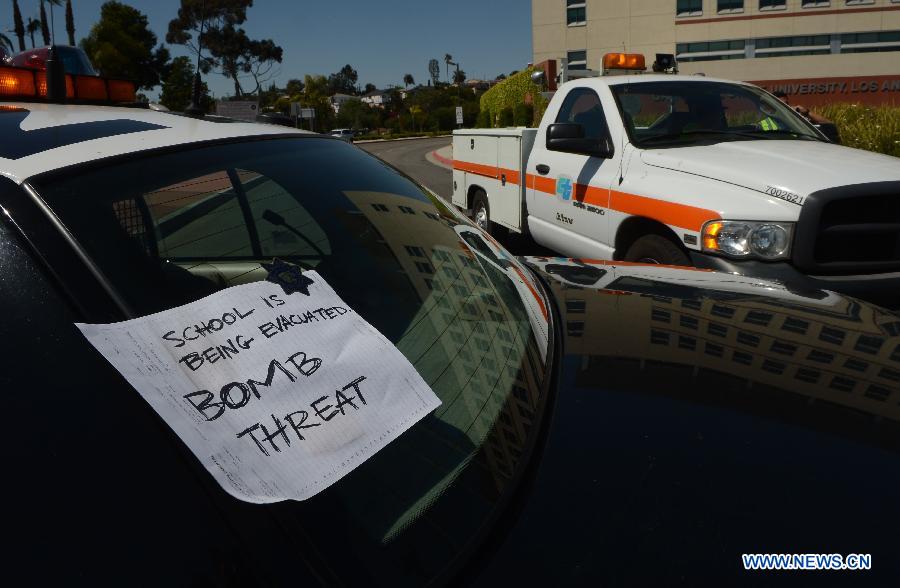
870	90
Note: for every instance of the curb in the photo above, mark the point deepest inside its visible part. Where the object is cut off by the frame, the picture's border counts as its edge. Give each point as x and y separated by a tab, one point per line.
401	139
441	158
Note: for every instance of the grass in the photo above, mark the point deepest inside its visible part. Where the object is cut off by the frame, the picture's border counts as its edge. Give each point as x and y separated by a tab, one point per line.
873	128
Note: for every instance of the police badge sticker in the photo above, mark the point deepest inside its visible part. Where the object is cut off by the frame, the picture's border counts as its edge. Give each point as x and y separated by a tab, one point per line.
564	188
289	276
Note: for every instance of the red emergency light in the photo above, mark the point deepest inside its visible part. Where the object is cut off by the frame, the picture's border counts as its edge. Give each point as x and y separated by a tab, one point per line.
26	83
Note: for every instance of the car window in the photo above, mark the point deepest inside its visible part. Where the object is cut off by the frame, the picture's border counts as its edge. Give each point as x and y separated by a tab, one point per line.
168	229
681	111
582	106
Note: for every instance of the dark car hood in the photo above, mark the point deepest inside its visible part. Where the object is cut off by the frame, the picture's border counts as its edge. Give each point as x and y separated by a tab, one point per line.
674	445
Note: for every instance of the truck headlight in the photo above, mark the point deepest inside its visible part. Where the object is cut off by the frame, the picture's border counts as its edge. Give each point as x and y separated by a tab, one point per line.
743	239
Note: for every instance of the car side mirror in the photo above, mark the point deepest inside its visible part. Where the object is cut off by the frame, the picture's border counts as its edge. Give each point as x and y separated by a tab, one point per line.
569	138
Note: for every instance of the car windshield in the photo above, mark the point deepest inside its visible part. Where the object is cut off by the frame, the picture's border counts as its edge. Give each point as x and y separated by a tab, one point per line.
170	228
679	113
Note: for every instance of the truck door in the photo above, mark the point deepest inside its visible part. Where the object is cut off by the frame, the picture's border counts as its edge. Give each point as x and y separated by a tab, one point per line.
569	192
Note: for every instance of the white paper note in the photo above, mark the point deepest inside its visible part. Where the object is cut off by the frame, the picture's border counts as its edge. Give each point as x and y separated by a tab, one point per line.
279	395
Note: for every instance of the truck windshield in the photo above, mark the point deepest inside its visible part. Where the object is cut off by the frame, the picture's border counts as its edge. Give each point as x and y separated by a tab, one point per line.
170	228
678	113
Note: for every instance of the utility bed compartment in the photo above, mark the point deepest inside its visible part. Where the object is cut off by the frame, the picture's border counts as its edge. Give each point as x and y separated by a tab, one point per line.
493	160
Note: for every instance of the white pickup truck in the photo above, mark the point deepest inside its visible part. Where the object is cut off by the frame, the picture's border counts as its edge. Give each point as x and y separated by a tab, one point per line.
688	170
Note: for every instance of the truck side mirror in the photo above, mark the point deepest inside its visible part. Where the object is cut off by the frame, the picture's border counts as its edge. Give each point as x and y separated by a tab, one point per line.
569	138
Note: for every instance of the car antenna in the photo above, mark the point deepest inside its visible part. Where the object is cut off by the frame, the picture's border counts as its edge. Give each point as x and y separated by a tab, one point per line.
194	108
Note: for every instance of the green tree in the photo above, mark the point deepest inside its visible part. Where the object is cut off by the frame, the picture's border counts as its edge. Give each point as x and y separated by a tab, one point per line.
213	26
408	80
369	88
459	76
178	85
344	81
122	45
5	42
294	87
357	115
448	59
415	111
70	22
18	25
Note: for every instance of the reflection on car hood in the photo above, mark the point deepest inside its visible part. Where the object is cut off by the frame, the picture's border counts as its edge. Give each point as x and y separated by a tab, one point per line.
699	418
798	167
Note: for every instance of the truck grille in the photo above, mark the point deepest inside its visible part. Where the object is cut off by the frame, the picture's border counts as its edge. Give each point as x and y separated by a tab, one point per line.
850	230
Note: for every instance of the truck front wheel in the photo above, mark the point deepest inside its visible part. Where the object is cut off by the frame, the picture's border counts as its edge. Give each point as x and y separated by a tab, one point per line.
481	212
657	249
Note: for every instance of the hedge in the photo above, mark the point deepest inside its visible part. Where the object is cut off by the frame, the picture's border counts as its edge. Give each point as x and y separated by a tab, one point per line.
511	93
874	128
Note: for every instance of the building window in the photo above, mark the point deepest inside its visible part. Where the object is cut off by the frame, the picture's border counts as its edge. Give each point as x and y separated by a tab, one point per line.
380	207
414	251
659	337
858	2
577	59
663	316
689	322
575	328
868	344
795	325
755	317
575	13
870	42
575	306
423	267
688	343
830	335
406	210
772	4
842	384
689	7
814	3
730	6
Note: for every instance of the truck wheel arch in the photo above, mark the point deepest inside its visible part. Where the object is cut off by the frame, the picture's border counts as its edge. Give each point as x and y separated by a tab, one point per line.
473	189
636	227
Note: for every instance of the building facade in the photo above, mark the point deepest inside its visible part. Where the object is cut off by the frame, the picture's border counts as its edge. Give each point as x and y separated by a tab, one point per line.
818	51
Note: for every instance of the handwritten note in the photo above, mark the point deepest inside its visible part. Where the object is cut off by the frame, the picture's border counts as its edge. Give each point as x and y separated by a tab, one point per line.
279	395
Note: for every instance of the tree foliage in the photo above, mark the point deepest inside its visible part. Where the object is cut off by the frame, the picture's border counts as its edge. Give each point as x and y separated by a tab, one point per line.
70	22
344	81
31	27
516	89
408	80
45	27
122	45
459	76
178	86
213	27
18	25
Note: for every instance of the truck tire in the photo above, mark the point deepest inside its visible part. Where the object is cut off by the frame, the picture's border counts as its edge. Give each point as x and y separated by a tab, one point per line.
657	249
481	212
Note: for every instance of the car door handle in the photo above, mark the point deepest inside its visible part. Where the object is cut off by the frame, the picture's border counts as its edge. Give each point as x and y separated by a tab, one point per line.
542	169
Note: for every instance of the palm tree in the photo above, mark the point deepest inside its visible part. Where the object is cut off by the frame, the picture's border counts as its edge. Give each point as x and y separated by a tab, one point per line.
45	26
459	76
408	80
31	27
18	26
5	42
447	60
70	22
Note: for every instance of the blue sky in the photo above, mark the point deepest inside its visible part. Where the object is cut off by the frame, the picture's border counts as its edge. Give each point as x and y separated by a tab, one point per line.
382	40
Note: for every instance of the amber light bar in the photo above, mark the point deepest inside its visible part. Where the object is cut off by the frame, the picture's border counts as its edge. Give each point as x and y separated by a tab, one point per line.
624	61
19	82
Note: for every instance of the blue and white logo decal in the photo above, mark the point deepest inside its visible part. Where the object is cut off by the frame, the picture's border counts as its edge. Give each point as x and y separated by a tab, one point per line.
564	188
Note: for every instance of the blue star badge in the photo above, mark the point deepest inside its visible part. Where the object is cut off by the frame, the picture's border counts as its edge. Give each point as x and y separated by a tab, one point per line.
290	277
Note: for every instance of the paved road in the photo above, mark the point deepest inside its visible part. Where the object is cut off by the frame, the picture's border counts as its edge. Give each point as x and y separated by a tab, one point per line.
409	157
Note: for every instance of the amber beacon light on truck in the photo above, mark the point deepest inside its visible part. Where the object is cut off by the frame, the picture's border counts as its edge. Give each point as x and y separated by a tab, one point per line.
19	83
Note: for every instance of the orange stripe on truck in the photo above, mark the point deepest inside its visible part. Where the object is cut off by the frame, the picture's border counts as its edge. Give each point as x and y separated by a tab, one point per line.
671	213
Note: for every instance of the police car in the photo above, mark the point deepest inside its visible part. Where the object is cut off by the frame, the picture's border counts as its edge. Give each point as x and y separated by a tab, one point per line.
600	422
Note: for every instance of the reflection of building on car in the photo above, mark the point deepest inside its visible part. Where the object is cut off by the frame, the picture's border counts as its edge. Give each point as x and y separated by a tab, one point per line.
645	168
113	212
